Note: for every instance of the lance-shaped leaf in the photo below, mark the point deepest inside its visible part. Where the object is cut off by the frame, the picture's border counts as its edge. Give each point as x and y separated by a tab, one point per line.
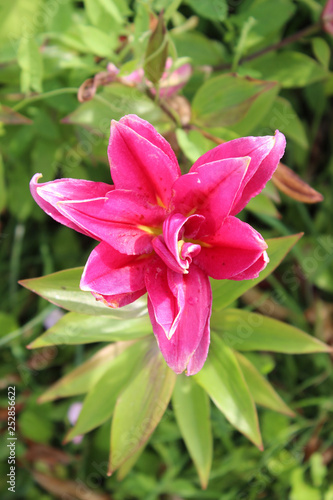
157	52
262	391
100	401
140	407
247	331
293	186
62	289
30	60
223	379
126	467
80	380
76	328
191	405
226	291
11	117
226	99
261	204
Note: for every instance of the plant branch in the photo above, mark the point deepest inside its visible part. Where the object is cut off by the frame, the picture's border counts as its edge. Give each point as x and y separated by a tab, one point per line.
275	46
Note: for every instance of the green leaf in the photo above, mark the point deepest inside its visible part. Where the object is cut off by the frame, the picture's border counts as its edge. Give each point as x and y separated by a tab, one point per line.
262	391
80	380
289	68
126	467
199	48
17	181
88	40
191	407
7	321
140	408
270	18
62	289
193	143
215	11
284	118
30	61
322	51
19	18
247	331
35	426
259	109
3	190
261	204
11	117
76	328
300	489
101	399
226	99
156	52
223	380
226	291
107	15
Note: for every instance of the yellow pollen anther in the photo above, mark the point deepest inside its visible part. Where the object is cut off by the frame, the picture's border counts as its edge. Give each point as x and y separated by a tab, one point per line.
151	230
180	244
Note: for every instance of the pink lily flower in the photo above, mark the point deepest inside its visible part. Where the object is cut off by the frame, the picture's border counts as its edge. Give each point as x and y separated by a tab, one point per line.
327	17
165	233
171	82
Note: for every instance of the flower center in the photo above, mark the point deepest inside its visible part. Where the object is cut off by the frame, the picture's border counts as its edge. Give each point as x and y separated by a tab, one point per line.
175	247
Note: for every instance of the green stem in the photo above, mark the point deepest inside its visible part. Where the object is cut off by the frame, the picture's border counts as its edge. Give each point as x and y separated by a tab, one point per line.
286	41
14	264
28	326
46	95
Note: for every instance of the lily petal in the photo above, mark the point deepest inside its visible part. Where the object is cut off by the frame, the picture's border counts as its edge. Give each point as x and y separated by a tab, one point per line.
120	299
107	270
124	220
210	191
200	354
141	160
254	270
265	153
175	253
234	248
49	194
179	307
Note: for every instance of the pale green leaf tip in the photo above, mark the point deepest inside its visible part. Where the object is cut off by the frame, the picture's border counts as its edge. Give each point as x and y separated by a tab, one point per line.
45	398
69	436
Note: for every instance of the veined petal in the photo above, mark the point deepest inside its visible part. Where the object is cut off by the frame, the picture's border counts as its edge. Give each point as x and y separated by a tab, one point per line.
265	153
108	272
49	194
179	307
200	354
254	270
234	248
141	160
120	299
210	191
123	219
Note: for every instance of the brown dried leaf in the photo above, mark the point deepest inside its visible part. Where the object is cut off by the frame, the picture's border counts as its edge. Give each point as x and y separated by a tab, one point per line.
293	186
75	490
89	87
10	117
87	90
47	454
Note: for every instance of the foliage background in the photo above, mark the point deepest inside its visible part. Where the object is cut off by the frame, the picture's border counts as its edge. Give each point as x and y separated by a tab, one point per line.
48	49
